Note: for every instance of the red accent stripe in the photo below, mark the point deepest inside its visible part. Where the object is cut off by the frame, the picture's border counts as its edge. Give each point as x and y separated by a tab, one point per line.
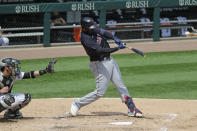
125	97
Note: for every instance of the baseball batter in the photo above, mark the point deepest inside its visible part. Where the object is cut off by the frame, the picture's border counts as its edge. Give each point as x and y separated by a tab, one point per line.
10	72
104	67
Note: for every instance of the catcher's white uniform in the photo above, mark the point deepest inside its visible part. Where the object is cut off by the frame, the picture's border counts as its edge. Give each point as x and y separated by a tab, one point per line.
21	99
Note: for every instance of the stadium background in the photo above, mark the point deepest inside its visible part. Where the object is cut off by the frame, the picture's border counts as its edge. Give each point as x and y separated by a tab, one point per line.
30	24
158	70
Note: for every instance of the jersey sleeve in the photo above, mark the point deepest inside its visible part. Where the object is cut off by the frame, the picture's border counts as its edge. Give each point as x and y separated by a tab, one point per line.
105	33
89	43
106	50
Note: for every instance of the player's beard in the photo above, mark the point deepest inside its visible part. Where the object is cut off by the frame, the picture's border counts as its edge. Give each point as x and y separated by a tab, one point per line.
9	71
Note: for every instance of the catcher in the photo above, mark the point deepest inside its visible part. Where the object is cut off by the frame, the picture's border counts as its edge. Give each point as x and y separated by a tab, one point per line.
9	73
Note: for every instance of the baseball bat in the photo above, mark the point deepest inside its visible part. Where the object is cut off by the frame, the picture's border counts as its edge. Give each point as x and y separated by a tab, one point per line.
136	51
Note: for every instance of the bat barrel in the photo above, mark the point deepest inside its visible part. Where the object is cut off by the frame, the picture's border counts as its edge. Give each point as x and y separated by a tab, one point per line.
135	50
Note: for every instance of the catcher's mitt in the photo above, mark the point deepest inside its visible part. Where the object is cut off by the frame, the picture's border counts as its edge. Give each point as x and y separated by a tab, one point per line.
50	67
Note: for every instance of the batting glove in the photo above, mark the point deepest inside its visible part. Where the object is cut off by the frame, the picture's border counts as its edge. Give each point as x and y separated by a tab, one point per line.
121	45
117	41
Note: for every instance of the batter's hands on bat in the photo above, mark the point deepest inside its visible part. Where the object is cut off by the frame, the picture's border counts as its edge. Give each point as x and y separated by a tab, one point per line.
117	41
50	67
122	45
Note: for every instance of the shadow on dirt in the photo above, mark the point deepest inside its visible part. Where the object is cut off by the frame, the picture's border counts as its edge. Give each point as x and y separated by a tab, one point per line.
108	113
7	120
146	116
15	120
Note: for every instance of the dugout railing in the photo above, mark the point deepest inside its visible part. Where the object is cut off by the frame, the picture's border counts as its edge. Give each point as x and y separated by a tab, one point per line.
119	27
43	33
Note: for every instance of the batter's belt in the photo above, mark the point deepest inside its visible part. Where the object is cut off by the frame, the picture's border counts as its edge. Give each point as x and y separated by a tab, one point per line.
101	59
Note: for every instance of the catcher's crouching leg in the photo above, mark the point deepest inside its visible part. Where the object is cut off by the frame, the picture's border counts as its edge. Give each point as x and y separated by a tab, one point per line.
6	101
21	100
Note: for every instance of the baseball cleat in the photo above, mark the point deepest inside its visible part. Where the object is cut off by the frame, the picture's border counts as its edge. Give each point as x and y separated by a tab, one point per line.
13	115
132	110
136	113
74	109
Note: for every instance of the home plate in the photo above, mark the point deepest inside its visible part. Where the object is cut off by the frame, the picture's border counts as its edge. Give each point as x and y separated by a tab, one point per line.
121	123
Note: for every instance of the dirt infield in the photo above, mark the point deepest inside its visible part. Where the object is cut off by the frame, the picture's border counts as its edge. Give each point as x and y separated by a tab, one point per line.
49	114
160	115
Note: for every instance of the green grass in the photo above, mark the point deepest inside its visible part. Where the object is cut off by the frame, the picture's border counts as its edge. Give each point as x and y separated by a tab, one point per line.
160	75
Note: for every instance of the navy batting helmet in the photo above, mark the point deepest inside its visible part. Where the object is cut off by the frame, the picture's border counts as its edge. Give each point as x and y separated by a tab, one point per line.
87	23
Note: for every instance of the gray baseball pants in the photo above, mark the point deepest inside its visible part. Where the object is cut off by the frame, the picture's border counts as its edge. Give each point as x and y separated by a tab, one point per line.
104	72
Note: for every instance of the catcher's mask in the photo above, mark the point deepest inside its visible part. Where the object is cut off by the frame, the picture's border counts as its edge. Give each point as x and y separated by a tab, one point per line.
87	24
11	62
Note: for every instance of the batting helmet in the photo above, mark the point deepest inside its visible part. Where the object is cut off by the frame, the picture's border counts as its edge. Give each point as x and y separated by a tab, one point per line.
87	23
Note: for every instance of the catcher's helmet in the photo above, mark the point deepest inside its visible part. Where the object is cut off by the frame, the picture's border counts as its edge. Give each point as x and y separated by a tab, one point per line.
7	62
10	62
87	23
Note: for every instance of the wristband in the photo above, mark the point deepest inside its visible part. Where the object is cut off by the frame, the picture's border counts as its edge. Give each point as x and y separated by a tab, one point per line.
32	74
42	72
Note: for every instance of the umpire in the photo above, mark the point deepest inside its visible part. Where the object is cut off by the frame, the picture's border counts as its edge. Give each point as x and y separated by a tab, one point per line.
104	67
